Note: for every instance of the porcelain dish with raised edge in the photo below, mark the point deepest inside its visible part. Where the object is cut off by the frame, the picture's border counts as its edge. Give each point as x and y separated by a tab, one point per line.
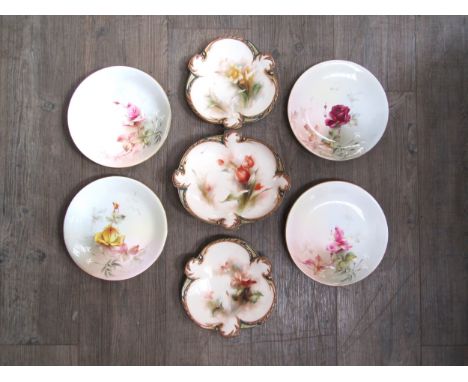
230	180
228	287
232	83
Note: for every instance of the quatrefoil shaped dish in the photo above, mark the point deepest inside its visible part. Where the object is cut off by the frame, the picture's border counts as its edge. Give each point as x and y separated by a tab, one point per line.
228	287
232	83
230	180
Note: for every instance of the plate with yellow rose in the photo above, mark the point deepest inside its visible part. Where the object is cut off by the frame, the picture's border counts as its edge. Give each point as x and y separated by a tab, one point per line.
115	228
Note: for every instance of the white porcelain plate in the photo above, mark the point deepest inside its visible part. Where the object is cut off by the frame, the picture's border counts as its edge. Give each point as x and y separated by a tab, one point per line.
119	116
230	180
338	110
336	233
115	228
228	287
232	83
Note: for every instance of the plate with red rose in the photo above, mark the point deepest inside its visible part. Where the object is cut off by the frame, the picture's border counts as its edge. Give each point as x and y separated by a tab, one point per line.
338	110
230	180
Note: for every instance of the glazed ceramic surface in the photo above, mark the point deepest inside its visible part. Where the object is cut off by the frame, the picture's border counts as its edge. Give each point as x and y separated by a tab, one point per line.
119	116
231	83
336	233
115	228
230	180
338	110
228	287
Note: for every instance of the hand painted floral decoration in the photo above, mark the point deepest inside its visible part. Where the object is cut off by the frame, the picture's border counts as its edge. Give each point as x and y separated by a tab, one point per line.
111	244
233	82
244	78
242	284
228	287
327	138
246	177
337	257
141	131
230	180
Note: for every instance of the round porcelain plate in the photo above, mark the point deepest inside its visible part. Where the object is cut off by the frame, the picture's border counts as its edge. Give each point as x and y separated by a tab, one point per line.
336	233
338	110
115	228
119	116
228	287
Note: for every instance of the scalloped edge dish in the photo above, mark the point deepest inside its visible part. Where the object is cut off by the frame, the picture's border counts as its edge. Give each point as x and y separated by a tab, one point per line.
230	180
228	287
238	85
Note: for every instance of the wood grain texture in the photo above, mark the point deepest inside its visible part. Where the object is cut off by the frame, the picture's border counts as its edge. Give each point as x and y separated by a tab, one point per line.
411	310
303	328
224	24
445	355
378	318
39	286
38	355
442	78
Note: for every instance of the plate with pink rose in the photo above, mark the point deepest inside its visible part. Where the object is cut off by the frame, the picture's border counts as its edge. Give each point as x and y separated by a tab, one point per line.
119	116
338	110
336	233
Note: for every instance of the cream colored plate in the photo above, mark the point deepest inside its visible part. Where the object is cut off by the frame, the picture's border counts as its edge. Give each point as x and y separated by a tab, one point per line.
115	228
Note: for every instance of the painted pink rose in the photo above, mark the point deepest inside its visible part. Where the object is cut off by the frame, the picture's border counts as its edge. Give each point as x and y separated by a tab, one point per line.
340	243
124	250
133	112
338	116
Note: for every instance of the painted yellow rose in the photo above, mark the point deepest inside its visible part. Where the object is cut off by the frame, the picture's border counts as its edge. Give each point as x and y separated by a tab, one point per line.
234	74
110	236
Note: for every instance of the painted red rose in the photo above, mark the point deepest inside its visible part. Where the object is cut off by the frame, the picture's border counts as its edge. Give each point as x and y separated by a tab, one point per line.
242	175
241	280
248	162
338	116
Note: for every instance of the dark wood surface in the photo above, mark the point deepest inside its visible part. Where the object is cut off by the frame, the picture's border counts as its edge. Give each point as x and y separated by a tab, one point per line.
412	310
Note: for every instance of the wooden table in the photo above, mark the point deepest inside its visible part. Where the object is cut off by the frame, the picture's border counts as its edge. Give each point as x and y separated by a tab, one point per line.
412	310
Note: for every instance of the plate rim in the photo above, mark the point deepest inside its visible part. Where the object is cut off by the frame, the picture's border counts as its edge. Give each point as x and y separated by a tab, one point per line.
371	198
152	79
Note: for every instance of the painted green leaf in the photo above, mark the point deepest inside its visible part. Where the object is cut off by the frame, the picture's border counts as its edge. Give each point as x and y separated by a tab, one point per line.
256	89
255	296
